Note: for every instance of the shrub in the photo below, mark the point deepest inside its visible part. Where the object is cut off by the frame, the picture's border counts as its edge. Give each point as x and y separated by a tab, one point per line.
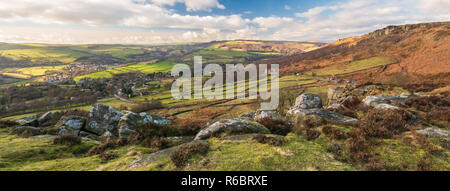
384	123
260	138
358	146
183	153
347	112
99	149
208	112
107	156
67	139
374	164
442	114
313	121
351	103
155	142
425	163
279	127
188	126
152	135
427	103
147	105
312	134
334	133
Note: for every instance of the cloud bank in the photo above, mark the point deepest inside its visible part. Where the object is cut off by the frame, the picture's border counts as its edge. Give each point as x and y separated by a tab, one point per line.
155	21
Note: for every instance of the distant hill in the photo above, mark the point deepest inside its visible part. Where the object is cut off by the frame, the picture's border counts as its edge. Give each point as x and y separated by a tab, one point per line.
274	47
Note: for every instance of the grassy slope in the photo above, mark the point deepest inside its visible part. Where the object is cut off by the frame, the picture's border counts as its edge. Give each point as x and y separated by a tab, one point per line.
145	68
356	66
44	54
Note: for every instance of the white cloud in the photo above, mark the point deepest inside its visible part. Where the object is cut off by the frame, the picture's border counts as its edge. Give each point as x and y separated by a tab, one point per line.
162	24
272	22
311	13
192	5
356	17
435	6
287	7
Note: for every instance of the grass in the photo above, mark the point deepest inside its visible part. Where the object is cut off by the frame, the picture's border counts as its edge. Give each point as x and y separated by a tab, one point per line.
119	51
396	155
29	72
63	55
297	154
356	66
33	154
9	80
145	68
38	154
41	70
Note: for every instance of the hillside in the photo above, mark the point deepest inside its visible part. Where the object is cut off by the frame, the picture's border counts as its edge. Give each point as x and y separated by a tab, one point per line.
402	55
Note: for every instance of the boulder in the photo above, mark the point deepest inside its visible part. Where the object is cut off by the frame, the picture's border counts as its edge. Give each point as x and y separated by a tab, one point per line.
70	125
148	159
308	101
383	102
45	117
26	131
300	111
364	90
335	107
330	116
103	118
435	132
129	121
335	94
87	135
28	121
267	115
107	136
249	115
350	102
231	127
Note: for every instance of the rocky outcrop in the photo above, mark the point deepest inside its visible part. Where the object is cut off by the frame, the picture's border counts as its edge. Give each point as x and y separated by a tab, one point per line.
107	136
383	102
435	132
103	118
70	125
45	117
129	121
26	131
153	157
335	94
28	121
308	101
331	116
311	104
261	115
231	127
403	29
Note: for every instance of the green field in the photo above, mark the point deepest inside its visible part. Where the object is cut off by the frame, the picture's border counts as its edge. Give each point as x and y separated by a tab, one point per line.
29	72
145	68
39	54
121	52
357	66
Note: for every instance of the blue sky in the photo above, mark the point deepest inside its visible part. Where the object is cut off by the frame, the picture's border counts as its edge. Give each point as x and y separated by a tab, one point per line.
168	21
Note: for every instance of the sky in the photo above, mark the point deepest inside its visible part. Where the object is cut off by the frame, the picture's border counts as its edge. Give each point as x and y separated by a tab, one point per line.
176	21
